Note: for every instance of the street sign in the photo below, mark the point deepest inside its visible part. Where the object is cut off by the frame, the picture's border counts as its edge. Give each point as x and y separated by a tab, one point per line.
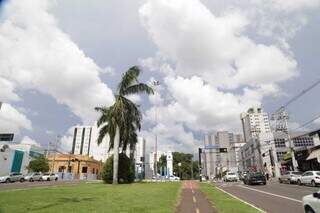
211	146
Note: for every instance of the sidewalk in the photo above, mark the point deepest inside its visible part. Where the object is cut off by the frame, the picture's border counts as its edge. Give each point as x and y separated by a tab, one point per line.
193	200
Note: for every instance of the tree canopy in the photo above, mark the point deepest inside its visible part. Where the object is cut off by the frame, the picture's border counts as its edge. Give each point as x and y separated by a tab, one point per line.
38	164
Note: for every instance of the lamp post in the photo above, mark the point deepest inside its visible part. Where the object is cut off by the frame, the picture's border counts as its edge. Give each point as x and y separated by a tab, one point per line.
156	84
179	165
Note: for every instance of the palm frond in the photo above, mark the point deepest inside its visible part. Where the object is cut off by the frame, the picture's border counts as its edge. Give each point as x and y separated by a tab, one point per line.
138	88
129	78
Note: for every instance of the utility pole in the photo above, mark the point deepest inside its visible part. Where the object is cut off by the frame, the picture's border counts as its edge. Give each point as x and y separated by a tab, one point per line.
281	117
191	167
156	84
57	141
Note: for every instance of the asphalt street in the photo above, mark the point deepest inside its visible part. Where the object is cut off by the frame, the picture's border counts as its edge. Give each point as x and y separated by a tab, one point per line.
273	197
36	184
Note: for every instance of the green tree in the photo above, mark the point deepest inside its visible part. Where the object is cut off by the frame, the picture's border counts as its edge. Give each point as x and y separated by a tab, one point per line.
126	171
38	164
121	120
187	169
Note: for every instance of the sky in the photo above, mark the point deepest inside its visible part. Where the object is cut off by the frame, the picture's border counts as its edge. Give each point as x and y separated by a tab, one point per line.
213	59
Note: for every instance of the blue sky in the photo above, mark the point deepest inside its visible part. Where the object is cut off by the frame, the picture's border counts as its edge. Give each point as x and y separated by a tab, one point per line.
213	59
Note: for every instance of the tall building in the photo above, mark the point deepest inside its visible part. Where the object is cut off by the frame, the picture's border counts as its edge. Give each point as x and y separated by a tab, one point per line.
85	143
254	122
215	162
82	140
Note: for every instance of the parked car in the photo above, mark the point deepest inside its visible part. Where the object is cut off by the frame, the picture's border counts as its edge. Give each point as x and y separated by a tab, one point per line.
50	176
290	177
309	177
12	177
255	178
230	176
311	203
35	176
172	177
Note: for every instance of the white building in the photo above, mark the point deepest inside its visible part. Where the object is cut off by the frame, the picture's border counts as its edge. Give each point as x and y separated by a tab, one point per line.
169	157
85	143
254	122
16	157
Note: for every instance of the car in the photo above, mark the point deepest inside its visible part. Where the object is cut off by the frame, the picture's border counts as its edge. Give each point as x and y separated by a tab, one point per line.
35	176
290	177
255	178
12	177
243	175
230	176
311	203
309	178
50	176
172	177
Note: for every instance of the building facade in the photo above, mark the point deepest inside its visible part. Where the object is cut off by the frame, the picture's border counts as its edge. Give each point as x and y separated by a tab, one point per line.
16	157
270	152
85	143
169	167
254	122
214	162
70	166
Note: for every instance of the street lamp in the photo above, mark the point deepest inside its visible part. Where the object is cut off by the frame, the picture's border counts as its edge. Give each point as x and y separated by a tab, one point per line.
156	84
179	165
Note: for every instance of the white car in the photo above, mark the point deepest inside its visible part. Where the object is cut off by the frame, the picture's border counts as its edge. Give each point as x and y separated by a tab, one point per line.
290	177
35	176
49	176
309	177
230	176
311	203
172	177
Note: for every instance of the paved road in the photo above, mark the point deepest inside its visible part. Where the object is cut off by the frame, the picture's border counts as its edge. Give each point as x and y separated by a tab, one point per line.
273	197
193	200
26	185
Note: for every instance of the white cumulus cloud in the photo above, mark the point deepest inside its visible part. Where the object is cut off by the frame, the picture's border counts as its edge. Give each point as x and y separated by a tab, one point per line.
36	54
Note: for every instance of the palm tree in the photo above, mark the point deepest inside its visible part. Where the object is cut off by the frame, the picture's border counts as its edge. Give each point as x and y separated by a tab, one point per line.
121	120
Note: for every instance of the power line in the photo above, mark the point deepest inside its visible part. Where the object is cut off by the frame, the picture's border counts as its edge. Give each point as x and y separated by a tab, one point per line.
303	92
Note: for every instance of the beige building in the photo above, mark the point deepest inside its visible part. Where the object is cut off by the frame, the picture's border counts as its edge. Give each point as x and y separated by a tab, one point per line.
75	166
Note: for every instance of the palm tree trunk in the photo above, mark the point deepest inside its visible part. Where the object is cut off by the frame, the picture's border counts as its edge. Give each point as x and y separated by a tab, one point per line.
116	156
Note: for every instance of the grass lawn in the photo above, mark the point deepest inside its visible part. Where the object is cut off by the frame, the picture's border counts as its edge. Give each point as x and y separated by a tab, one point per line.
95	197
225	203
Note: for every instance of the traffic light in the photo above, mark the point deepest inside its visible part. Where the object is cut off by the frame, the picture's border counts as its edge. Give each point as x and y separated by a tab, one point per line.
223	150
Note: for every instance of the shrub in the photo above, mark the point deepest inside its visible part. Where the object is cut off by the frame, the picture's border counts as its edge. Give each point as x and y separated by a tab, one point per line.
125	170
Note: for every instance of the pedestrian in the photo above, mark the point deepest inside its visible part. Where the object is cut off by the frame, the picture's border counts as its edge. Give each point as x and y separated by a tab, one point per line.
267	176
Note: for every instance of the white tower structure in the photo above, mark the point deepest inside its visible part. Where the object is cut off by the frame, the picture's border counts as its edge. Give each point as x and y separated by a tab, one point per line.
254	122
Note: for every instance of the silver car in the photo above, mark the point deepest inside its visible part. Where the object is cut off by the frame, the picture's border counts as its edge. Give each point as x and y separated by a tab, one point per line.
13	177
35	176
290	177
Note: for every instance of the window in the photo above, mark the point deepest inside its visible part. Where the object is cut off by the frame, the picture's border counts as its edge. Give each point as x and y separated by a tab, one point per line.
84	169
280	155
93	171
280	142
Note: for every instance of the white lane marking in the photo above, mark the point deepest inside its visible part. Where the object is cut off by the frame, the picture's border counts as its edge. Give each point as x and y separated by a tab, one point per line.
197	210
235	197
194	199
268	193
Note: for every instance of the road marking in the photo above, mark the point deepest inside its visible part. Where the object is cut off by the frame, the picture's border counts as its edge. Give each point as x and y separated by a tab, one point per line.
197	210
194	199
235	197
268	193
